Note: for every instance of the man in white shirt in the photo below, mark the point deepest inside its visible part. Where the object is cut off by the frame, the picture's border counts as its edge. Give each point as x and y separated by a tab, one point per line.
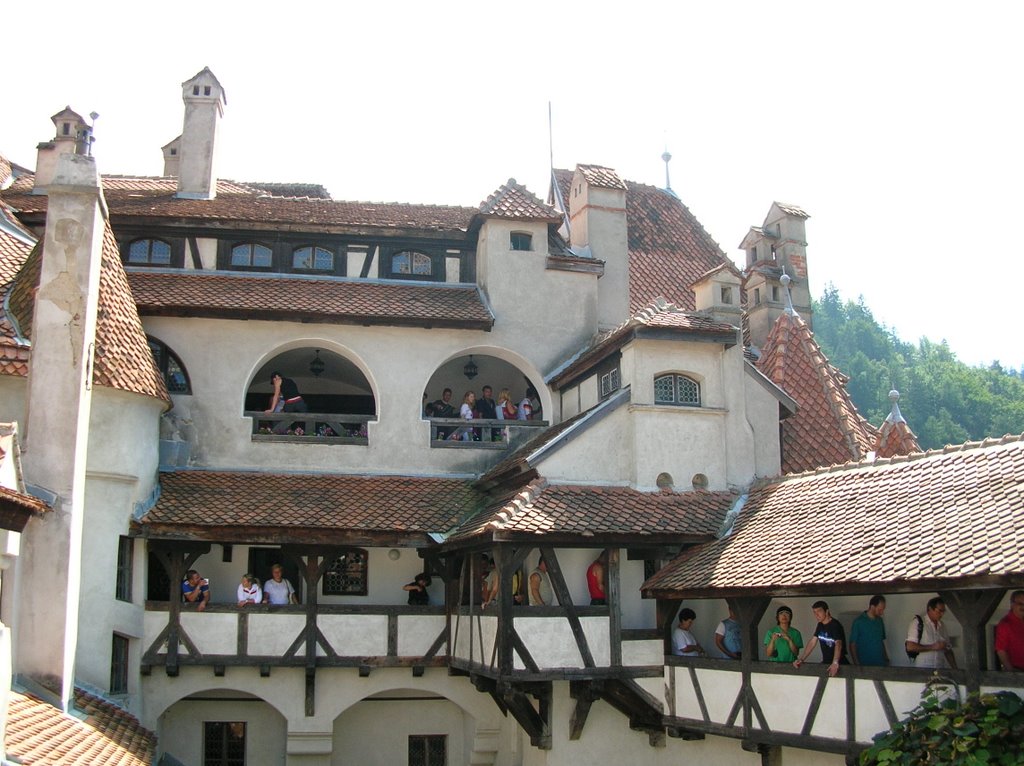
927	637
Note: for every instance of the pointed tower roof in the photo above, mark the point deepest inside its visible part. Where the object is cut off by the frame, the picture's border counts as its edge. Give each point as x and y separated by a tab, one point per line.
123	357
827	429
514	201
895	437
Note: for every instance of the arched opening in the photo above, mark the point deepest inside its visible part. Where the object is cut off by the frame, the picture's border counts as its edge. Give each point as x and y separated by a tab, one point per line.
504	399
328	395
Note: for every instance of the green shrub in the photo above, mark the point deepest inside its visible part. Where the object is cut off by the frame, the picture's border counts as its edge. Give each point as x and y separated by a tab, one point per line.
984	729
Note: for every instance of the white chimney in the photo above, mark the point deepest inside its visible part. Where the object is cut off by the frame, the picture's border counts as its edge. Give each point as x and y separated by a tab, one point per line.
172	158
204	106
69	124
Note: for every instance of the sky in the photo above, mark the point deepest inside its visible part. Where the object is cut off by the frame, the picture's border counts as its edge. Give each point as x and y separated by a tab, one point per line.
896	126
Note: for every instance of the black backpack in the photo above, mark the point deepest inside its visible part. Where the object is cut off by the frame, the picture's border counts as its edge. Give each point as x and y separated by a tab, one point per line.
920	631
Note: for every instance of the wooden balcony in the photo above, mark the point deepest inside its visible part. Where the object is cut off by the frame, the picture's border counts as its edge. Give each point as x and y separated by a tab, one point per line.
309	427
483	433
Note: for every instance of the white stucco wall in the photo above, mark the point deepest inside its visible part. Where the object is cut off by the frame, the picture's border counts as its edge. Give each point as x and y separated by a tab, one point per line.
181	728
13	399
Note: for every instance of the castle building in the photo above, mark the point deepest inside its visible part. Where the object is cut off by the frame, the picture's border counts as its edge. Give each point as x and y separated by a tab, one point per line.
688	442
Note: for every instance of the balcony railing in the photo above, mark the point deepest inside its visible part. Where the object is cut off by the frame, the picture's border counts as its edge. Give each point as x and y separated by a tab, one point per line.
458	433
309	427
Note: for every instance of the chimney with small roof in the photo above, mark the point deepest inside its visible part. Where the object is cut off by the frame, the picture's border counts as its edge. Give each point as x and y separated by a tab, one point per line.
204	106
70	125
172	158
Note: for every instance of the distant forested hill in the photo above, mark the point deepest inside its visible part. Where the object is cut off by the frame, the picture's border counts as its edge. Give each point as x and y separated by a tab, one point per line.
944	400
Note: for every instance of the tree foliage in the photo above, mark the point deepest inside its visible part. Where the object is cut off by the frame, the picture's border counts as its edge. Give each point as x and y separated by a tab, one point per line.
944	400
985	729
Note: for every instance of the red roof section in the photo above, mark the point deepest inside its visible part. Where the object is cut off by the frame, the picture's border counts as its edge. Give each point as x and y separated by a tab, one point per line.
907	523
599	175
826	429
190	293
40	734
895	437
294	503
669	250
514	201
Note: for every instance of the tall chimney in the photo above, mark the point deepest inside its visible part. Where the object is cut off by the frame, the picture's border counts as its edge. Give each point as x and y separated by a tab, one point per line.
172	158
69	125
204	106
59	402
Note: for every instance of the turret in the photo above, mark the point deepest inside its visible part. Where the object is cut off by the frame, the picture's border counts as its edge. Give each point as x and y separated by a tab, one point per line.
71	130
204	106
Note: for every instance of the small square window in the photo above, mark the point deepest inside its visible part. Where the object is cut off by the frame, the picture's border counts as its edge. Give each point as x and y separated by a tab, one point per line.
428	750
224	743
521	241
609	383
726	293
195	90
206	90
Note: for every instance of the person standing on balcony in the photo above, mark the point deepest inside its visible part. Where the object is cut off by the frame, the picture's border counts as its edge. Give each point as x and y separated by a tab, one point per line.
867	635
285	391
505	408
783	642
683	642
540	585
418	595
927	640
595	580
277	590
466	412
485	404
830	634
195	589
249	591
1010	634
489	589
727	637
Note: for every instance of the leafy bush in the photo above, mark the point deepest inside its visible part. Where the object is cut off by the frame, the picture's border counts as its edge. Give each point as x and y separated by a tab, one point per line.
984	729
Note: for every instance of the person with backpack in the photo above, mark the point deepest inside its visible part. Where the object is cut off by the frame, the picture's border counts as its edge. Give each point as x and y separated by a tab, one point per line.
927	643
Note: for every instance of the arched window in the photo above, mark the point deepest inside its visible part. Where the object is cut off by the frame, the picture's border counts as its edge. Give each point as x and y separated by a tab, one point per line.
175	376
409	262
253	255
676	389
149	252
313	259
347	575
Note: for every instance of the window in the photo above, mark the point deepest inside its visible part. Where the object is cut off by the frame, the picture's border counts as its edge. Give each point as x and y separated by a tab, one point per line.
119	665
175	377
775	293
313	258
150	252
428	750
757	296
609	382
726	295
676	389
521	241
347	575
125	570
412	263
253	255
223	743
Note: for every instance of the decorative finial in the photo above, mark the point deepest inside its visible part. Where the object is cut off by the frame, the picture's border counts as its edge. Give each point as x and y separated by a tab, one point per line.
895	416
785	279
666	158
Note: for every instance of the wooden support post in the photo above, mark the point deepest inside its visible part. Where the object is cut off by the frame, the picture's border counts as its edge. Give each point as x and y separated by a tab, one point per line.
585	693
749	612
503	562
665	616
973	609
565	601
614	609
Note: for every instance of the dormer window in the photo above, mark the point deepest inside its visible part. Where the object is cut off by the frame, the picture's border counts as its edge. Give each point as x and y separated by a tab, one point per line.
520	240
252	255
677	390
149	252
206	90
195	90
313	259
411	263
66	128
726	293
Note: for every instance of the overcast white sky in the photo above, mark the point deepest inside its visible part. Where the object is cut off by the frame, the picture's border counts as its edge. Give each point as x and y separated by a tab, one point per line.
897	126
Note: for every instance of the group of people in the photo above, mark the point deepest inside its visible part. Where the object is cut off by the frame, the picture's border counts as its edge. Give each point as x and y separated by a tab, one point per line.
277	591
539	590
927	643
484	407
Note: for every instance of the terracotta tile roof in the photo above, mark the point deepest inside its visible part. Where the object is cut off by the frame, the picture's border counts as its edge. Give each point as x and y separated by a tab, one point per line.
154	198
123	358
245	503
514	201
220	294
41	735
16	243
669	250
657	315
20	500
907	523
598	175
5	170
586	511
315	191
827	429
895	437
722	267
792	210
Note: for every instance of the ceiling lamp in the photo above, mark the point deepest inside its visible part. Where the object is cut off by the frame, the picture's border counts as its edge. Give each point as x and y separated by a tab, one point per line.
470	370
317	365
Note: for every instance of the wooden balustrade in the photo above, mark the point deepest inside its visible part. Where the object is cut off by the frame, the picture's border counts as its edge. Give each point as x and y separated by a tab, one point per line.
309	427
481	433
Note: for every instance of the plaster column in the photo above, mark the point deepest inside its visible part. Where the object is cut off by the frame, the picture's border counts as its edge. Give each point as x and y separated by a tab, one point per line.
55	446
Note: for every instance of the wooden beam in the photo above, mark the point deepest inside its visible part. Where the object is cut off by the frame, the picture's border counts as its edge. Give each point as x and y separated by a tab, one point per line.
585	693
523	652
812	708
973	609
614	608
503	643
536	722
565	601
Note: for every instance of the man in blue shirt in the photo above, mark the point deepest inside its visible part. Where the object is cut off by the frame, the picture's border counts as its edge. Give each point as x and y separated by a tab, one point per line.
727	637
195	590
867	636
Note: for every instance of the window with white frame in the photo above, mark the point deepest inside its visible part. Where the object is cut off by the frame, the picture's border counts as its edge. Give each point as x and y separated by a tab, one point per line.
609	382
676	389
